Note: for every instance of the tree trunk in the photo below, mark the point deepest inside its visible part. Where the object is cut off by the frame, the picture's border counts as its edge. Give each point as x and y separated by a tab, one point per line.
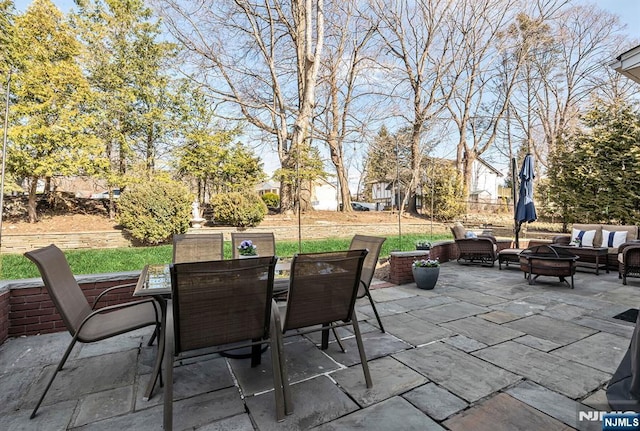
31	206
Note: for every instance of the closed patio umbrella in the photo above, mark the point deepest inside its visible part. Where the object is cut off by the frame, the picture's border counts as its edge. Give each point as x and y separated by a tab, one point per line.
525	211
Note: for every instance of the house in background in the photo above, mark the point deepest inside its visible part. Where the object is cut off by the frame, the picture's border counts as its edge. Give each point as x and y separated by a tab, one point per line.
268	187
486	182
324	194
486	185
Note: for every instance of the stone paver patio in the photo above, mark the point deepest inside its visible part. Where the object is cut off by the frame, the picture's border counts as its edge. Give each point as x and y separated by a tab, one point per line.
483	351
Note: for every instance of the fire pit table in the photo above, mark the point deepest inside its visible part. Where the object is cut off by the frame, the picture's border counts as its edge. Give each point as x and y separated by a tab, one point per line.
549	261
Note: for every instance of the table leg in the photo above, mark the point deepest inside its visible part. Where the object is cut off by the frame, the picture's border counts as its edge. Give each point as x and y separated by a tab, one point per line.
158	365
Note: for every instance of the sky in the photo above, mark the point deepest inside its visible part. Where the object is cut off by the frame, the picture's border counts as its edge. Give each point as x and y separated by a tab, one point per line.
627	10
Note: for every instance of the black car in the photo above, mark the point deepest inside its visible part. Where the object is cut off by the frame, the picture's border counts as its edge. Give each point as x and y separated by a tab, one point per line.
358	207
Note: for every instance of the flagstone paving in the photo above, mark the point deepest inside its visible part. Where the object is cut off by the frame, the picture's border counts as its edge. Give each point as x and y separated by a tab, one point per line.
484	350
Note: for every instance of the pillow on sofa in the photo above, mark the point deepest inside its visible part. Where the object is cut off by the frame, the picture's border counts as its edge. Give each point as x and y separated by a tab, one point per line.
613	239
586	237
470	234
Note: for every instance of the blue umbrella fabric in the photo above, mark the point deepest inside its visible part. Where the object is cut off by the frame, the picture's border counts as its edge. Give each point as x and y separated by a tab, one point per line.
525	209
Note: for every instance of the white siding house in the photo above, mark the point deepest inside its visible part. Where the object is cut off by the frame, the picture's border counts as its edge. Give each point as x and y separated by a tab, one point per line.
324	196
485	182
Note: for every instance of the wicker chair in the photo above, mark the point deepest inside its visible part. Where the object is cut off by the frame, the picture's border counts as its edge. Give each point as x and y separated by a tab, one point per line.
628	261
85	323
198	247
264	241
322	291
482	250
372	244
217	303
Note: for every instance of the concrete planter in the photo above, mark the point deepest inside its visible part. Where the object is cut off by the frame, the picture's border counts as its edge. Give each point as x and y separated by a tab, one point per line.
426	278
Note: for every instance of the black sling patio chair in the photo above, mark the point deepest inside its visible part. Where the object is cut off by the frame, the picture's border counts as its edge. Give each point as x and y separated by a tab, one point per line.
373	245
198	247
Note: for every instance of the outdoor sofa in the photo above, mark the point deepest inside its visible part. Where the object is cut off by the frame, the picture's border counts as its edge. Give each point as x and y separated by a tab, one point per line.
601	235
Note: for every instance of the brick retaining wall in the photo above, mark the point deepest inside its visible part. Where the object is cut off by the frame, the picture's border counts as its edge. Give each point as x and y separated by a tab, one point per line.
4	314
400	263
27	309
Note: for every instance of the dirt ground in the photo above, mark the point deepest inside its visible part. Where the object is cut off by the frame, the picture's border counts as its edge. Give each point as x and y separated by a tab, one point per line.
95	222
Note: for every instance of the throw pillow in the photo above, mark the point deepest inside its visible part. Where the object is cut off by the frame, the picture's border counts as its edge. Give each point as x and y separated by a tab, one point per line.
613	239
585	236
470	235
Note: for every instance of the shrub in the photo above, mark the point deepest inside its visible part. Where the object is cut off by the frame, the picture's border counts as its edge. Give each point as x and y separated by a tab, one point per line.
238	209
272	200
151	212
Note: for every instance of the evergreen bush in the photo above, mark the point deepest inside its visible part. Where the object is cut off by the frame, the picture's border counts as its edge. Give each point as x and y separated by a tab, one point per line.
151	212
238	209
272	200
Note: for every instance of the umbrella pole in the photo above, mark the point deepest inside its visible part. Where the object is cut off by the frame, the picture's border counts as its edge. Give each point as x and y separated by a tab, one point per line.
516	225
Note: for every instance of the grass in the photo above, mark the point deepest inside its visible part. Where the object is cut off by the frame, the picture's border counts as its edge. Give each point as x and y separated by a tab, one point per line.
16	266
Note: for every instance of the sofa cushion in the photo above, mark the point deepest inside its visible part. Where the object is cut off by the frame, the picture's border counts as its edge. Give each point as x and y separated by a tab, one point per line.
613	239
597	239
586	237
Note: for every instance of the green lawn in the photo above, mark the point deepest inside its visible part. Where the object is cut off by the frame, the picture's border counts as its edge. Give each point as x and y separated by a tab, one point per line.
15	266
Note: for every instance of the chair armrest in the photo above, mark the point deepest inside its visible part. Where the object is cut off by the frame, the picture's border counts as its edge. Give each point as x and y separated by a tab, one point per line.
561	239
108	290
628	244
490	237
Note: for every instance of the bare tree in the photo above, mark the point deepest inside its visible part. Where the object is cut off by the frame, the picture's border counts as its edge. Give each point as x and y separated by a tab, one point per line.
564	70
259	57
342	87
417	48
483	77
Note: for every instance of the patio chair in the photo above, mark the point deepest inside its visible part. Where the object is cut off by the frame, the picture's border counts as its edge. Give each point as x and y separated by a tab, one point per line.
459	232
264	241
628	261
201	247
84	323
482	250
372	244
322	291
215	304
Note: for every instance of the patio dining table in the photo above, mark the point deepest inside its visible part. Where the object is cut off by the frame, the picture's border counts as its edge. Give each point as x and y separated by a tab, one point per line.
155	281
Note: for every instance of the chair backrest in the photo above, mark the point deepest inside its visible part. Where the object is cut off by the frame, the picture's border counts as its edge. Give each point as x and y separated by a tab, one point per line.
323	287
372	244
264	241
62	286
221	302
201	247
458	231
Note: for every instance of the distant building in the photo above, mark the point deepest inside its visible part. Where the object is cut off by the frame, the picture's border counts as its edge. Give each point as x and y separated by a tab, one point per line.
268	187
486	185
486	182
324	194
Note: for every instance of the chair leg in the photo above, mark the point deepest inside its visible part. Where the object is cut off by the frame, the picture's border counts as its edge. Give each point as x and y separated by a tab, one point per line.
335	334
167	417
363	356
277	373
284	376
58	368
373	306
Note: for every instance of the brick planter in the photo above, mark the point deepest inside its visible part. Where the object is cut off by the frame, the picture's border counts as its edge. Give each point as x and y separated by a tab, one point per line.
400	265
